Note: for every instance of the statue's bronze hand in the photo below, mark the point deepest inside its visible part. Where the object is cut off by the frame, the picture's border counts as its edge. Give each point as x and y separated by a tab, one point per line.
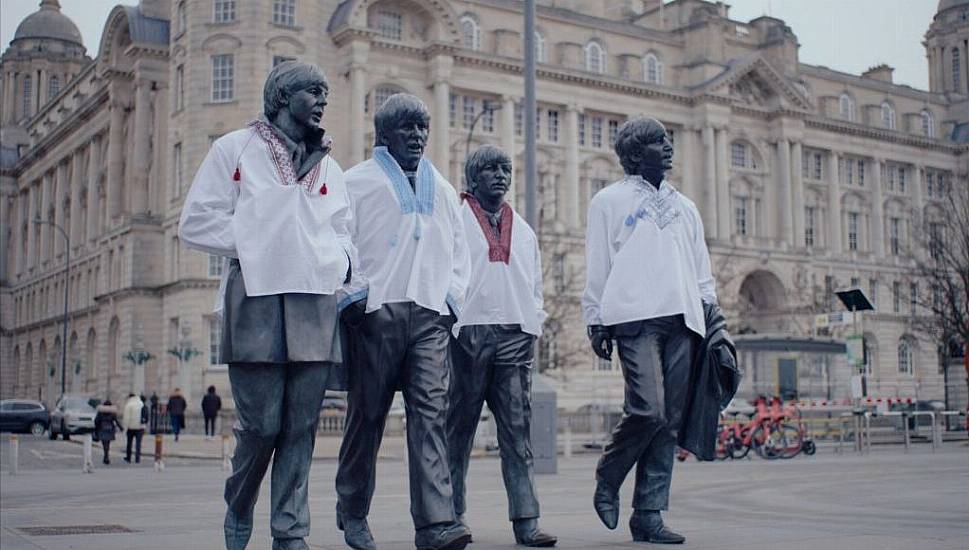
601	339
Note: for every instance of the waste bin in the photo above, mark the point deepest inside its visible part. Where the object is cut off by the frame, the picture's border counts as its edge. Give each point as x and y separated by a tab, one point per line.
544	426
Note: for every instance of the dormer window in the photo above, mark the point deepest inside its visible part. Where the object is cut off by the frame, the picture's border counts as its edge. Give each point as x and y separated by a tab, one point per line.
846	107
595	58
928	124
470	33
888	116
652	69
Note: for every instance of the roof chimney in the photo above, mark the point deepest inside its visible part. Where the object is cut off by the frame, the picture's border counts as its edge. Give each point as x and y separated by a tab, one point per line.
879	72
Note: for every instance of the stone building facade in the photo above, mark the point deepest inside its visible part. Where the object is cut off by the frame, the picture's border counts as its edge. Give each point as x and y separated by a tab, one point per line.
809	180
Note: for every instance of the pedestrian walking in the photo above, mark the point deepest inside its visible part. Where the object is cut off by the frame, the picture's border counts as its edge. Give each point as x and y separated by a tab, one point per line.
211	405
104	426
134	418
176	411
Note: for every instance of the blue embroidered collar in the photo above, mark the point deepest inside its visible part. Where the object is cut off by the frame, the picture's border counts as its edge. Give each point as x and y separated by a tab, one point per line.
422	201
658	205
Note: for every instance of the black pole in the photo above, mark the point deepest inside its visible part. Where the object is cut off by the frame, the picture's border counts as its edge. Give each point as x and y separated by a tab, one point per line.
530	108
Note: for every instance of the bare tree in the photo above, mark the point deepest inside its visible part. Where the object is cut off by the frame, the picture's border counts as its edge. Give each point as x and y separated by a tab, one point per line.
563	337
940	276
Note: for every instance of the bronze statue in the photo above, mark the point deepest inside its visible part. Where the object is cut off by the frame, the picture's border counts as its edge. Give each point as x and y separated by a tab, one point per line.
648	278
493	344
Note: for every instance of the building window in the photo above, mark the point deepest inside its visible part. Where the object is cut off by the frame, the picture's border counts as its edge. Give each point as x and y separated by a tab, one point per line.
595	58
553	125
284	12
936	240
928	124
390	25
28	92
740	215
956	70
861	172
613	131
176	171
381	94
913	297
519	119
467	110
539	48
538	123
811	164
888	116
181	18
852	231
53	87
178	98
855	282
896	297
738	155
895	233
487	119
936	298
582	122
597	132
215	340
653	69
558	273
904	358
452	110
810	224
277	59
223	77
598	184
215	265
829	290
546	350
224	11
470	33
846	107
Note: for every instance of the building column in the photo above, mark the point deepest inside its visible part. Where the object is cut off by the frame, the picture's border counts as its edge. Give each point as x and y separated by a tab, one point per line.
77	228
877	207
684	151
507	130
60	213
6	270
572	217
918	192
17	236
723	185
93	194
440	125
33	246
834	204
40	93
797	194
45	204
358	53
9	91
141	153
709	187
784	203
115	160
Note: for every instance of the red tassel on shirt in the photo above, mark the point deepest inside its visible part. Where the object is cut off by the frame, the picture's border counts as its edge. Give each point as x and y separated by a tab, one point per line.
323	189
237	176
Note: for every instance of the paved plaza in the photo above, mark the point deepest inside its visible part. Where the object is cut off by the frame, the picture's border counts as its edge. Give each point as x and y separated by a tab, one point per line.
885	500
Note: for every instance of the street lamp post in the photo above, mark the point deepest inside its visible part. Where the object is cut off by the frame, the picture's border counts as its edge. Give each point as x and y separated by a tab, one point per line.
486	107
67	290
184	351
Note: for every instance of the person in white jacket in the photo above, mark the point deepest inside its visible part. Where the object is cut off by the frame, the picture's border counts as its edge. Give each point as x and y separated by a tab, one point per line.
133	419
271	199
493	344
648	274
405	294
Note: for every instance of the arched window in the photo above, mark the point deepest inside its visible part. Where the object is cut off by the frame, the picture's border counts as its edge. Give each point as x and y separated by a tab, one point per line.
956	70
846	107
905	365
888	115
28	91
470	33
539	47
53	87
595	58
652	69
378	96
928	124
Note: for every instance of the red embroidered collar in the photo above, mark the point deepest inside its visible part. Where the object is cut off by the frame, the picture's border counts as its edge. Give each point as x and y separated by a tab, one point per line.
281	157
499	247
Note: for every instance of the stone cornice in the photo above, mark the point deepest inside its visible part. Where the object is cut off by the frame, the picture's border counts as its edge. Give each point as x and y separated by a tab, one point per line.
52	320
348	34
882	135
188	284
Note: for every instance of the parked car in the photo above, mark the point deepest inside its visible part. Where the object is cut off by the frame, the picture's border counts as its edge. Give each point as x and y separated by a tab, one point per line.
334	404
73	414
23	416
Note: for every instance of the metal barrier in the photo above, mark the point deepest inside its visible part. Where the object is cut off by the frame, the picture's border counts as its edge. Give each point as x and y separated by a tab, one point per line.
861	430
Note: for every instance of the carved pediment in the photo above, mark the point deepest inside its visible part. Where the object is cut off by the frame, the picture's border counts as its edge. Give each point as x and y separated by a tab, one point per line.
753	82
753	90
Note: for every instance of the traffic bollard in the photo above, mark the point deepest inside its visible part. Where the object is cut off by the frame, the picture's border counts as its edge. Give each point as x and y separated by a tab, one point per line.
159	465
568	441
88	467
226	462
905	423
14	454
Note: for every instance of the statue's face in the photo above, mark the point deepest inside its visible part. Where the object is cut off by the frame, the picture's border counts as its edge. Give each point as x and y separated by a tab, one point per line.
492	181
656	155
306	105
406	141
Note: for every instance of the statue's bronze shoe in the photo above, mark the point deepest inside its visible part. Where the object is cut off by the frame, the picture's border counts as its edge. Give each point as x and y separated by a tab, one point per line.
606	502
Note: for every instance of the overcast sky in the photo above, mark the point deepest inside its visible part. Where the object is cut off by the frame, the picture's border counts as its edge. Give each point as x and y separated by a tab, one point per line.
846	35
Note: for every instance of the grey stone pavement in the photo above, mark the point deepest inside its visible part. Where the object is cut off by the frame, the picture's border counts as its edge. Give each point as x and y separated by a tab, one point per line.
885	500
